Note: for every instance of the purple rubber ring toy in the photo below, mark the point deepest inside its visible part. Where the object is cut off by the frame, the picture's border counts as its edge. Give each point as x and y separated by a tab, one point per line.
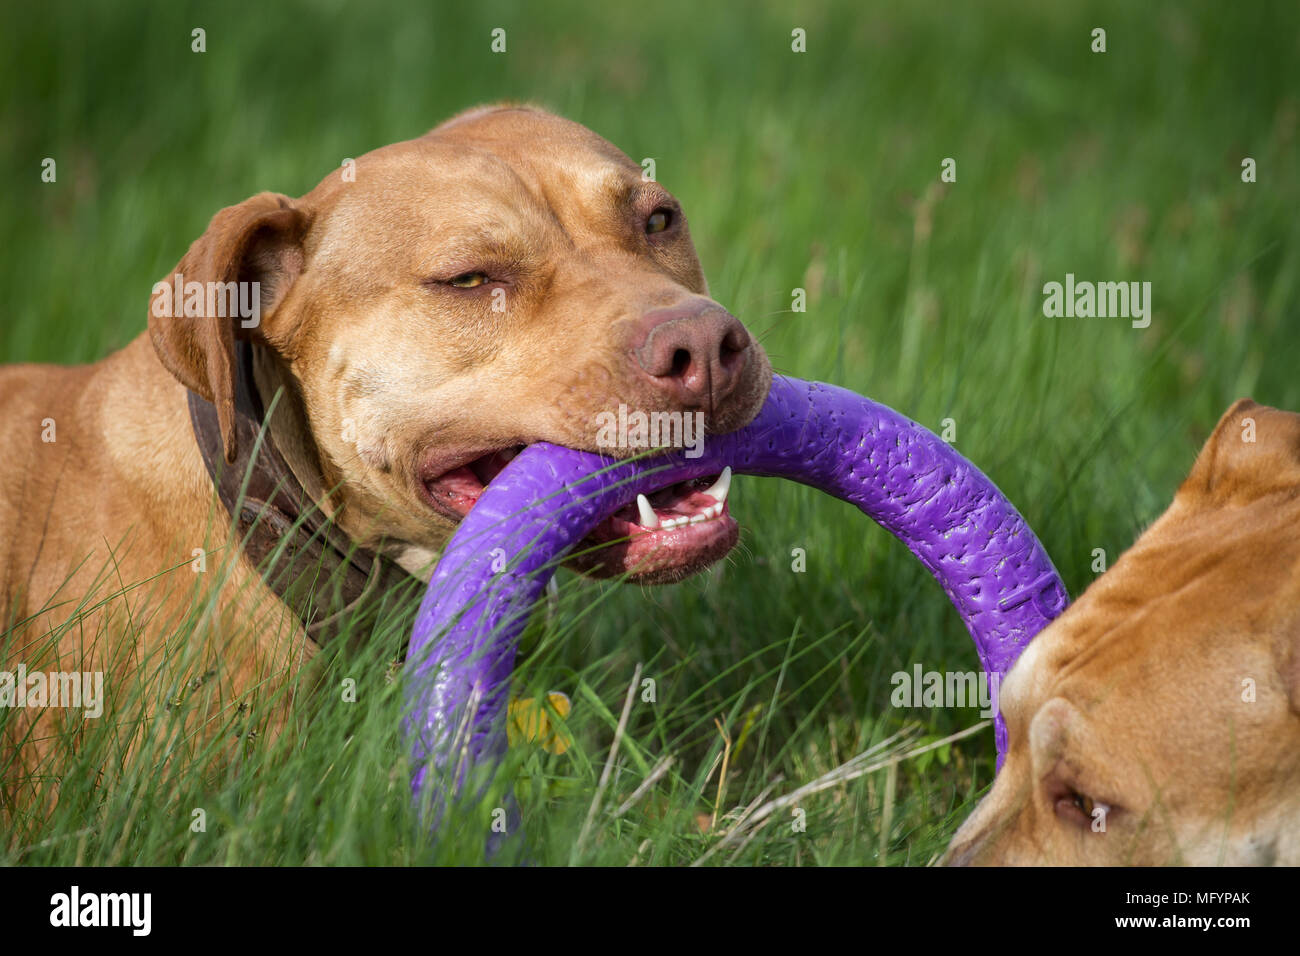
970	538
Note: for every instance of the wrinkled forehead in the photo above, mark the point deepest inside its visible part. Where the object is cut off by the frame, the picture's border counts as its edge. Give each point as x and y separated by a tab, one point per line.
507	170
1045	666
561	165
533	139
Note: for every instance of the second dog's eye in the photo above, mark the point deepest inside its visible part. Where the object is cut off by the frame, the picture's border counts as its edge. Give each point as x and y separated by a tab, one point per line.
468	280
1082	810
659	220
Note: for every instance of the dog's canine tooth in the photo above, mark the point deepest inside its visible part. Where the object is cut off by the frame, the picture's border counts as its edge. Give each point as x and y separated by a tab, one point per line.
718	490
646	514
720	487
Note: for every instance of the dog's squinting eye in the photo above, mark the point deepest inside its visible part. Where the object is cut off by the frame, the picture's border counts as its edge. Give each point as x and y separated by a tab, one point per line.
659	220
1078	808
468	280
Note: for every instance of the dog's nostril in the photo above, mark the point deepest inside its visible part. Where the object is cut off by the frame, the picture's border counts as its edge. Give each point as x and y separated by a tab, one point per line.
681	362
736	340
733	345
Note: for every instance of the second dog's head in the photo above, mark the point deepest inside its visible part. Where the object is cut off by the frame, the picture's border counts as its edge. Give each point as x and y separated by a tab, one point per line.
1157	721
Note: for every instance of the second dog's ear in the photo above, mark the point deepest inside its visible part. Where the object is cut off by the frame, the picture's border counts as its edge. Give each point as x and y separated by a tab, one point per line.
1253	451
231	279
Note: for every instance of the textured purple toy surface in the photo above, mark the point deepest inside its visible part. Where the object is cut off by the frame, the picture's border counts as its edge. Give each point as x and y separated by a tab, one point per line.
549	498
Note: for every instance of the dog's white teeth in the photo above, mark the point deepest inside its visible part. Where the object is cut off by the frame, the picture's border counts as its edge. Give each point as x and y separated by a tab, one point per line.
647	516
720	487
718	491
708	514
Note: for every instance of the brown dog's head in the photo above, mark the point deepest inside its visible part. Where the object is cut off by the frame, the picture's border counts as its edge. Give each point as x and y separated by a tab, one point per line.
1157	721
508	278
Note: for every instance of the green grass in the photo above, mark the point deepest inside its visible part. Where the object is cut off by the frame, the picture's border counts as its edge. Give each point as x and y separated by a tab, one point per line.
818	171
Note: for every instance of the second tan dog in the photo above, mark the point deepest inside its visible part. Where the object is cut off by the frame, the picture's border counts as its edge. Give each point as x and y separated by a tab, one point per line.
1157	721
503	280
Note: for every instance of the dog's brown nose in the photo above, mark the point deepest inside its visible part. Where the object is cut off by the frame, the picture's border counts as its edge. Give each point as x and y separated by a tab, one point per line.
695	353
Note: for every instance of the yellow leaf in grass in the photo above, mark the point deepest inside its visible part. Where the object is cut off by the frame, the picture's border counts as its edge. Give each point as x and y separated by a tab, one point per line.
540	722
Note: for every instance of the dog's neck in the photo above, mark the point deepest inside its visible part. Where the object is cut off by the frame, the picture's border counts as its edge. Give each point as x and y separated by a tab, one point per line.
281	512
288	429
291	434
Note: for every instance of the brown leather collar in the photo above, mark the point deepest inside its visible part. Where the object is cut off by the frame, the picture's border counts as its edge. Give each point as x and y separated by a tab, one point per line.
314	567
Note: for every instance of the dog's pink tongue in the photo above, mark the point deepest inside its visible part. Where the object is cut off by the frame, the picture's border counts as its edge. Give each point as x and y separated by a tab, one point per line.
459	487
681	499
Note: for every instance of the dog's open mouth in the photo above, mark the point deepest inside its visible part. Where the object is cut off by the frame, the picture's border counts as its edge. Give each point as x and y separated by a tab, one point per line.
662	537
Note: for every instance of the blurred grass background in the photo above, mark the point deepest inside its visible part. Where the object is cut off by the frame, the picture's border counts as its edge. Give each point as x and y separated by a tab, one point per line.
817	170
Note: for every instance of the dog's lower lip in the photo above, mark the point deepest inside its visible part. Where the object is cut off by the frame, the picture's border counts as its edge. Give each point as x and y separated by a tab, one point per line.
672	531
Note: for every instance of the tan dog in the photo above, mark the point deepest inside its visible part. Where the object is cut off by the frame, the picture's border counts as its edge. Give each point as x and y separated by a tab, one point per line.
1157	721
503	280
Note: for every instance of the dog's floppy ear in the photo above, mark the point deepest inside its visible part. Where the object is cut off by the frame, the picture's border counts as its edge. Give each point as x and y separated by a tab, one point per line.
1253	451
197	311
